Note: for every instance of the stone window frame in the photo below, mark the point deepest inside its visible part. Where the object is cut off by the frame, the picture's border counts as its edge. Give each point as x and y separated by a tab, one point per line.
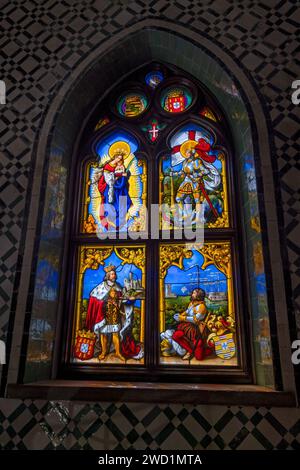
155	33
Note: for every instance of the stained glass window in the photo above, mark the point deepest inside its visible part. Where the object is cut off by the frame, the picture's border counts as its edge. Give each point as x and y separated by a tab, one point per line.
146	301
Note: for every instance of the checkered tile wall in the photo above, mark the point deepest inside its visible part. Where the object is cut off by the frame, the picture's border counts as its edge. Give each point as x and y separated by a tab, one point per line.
62	425
41	44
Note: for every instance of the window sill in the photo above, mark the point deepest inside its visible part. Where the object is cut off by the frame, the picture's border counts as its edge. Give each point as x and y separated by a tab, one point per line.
217	394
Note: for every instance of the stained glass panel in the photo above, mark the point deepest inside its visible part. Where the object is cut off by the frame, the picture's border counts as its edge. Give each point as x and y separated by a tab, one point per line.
110	307
153	79
102	122
208	113
115	187
55	202
197	321
194	173
176	99
153	129
132	104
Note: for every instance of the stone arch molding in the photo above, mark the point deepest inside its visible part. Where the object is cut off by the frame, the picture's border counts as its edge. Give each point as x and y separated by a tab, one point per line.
101	70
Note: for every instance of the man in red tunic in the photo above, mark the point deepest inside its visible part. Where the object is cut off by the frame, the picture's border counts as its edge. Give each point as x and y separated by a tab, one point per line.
189	331
188	338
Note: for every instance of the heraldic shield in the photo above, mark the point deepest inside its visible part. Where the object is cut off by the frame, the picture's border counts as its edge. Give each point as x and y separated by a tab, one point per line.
224	346
85	344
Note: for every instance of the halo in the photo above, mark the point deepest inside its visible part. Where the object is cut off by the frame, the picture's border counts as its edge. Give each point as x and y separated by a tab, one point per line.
186	146
119	147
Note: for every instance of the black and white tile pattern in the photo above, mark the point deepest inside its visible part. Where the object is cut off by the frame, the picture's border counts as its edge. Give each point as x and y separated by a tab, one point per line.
63	425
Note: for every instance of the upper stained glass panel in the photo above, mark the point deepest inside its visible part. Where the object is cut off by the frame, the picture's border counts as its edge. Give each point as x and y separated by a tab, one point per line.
115	187
194	173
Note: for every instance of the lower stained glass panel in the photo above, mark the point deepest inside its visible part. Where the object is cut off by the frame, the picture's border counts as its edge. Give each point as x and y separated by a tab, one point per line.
110	308
197	321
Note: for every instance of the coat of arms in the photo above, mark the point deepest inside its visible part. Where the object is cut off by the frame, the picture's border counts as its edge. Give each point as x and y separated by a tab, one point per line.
85	344
224	346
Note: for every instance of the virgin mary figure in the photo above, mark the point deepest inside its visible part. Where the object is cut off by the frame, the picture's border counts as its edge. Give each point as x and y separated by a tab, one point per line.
113	186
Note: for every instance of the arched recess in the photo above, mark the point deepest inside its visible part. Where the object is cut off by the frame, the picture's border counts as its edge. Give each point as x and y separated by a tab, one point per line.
103	68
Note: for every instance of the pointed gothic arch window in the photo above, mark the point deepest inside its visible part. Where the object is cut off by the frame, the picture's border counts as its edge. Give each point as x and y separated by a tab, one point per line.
144	306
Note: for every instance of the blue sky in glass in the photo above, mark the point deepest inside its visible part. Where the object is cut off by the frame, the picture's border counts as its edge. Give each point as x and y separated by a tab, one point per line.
103	146
184	281
93	277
